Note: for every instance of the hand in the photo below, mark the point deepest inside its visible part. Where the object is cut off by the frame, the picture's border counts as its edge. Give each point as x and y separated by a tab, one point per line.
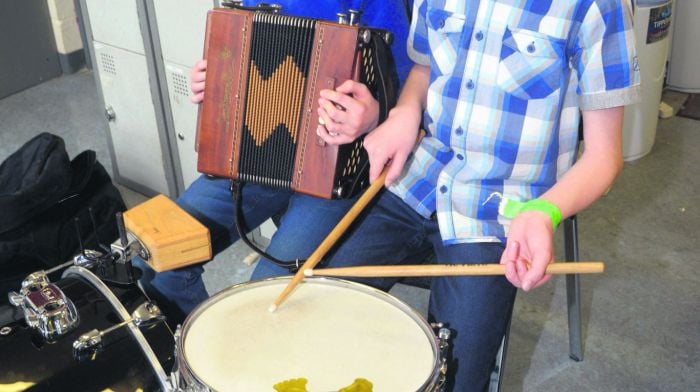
529	250
392	142
197	76
346	113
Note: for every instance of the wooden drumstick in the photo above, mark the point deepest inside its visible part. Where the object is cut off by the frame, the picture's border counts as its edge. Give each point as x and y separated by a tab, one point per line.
333	237
579	267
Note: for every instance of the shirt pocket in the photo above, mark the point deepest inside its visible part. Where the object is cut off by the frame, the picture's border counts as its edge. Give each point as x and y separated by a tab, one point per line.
445	30
531	64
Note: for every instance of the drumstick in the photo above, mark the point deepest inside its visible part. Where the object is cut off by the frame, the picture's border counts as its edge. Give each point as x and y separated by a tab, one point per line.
579	267
332	238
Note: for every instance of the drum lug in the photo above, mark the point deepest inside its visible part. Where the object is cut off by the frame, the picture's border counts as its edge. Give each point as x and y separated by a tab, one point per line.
178	381
46	308
443	338
89	344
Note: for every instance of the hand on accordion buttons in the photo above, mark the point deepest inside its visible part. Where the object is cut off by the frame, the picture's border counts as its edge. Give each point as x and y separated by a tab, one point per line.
346	113
197	76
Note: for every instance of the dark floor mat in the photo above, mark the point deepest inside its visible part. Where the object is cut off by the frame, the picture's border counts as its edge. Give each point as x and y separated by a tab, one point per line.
691	108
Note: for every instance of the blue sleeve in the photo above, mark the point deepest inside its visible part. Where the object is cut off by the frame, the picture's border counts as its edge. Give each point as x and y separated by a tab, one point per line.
391	15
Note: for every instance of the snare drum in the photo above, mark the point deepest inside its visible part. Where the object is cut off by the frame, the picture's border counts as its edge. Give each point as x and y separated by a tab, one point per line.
131	359
329	332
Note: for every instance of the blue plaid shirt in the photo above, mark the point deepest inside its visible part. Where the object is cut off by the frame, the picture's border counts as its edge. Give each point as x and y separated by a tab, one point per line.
508	80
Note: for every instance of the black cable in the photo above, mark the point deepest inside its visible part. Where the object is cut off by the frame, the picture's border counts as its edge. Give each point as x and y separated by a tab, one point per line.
237	195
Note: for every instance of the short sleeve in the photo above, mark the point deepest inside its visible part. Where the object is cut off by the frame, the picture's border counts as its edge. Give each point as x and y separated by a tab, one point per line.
417	44
604	56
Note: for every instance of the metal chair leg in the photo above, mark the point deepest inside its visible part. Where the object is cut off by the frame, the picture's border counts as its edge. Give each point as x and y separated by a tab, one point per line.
573	290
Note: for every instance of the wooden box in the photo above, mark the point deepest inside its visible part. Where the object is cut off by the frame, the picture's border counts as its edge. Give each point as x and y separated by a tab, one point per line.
172	236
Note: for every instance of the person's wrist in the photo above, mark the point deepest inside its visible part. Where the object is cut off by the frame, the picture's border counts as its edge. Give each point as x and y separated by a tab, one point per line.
512	208
404	112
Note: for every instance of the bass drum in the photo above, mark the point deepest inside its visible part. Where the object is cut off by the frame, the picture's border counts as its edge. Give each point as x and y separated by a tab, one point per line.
131	358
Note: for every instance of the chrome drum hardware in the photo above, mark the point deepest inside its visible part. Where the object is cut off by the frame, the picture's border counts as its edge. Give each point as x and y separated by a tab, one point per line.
46	308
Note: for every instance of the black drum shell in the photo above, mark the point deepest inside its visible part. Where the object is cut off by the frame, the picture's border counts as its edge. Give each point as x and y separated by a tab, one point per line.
25	357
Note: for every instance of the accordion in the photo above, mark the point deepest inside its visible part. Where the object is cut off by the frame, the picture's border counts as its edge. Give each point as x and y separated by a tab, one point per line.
257	122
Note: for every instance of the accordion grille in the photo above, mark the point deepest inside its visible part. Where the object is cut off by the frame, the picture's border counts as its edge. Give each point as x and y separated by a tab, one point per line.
280	54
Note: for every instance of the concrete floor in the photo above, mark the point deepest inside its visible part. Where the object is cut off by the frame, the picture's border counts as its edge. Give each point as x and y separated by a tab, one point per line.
641	317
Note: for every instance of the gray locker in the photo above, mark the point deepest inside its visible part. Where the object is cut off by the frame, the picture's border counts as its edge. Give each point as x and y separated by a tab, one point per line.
128	86
184	121
178	28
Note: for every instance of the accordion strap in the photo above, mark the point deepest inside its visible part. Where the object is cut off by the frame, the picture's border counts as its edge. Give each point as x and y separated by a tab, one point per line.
237	194
388	80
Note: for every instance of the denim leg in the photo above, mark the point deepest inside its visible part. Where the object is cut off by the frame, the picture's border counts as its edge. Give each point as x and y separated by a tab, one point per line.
303	227
209	201
176	292
476	309
390	232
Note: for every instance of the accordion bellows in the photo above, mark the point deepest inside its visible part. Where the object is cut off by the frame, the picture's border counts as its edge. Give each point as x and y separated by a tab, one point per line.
257	122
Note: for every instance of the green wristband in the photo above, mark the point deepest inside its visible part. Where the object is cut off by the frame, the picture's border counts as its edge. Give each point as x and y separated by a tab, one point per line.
511	208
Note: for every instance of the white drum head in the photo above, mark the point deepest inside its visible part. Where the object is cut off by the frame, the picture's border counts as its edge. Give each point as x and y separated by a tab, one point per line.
328	331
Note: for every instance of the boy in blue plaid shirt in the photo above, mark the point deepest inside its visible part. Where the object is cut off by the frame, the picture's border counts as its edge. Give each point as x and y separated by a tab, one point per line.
500	86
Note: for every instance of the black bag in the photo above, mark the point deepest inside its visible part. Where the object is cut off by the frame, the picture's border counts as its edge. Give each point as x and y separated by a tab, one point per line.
45	200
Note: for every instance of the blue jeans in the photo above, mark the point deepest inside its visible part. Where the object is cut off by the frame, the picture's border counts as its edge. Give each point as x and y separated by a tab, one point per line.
304	225
477	309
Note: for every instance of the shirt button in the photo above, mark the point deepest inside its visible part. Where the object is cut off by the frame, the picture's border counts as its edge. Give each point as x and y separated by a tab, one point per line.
479	36
459	131
470	84
443	189
531	48
460	157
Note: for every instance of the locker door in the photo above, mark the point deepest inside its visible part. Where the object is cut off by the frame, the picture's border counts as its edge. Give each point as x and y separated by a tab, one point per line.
179	31
123	77
129	87
184	117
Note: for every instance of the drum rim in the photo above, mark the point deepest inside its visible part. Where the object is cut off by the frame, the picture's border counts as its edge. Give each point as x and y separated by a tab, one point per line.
382	295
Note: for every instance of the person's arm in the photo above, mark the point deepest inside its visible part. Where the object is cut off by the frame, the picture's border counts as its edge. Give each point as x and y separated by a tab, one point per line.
529	248
393	140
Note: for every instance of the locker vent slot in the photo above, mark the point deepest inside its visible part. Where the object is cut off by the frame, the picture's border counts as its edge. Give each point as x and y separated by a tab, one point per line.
180	84
108	64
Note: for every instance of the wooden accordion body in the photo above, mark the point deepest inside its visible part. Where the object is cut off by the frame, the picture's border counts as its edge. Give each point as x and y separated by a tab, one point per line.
257	122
